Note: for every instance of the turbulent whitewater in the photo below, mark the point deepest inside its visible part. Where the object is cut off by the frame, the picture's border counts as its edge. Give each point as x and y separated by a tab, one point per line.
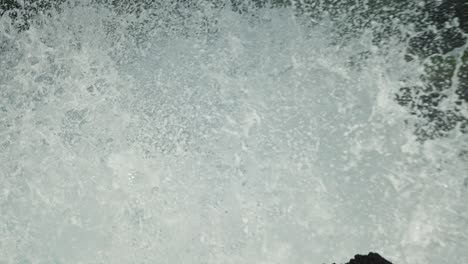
210	135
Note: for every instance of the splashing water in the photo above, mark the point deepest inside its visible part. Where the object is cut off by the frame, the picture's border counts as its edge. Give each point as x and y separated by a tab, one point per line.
199	134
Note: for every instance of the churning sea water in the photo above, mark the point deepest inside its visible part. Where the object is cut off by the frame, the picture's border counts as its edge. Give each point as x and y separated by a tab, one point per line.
208	133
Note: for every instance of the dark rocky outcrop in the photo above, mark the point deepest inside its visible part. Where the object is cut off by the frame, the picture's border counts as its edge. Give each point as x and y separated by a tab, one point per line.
371	258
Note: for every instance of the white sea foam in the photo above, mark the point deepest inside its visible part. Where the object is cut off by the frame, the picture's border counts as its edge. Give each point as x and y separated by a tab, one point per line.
209	136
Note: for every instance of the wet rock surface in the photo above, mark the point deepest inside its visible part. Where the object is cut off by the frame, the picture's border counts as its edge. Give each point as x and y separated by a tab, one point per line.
371	258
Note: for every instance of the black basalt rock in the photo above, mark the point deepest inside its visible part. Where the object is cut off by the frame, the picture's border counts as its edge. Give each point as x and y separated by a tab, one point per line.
371	258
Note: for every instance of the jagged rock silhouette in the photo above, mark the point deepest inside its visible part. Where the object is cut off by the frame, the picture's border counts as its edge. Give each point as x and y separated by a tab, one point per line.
371	258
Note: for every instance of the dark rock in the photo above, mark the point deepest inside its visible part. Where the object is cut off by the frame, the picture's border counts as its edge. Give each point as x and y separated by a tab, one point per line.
371	258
